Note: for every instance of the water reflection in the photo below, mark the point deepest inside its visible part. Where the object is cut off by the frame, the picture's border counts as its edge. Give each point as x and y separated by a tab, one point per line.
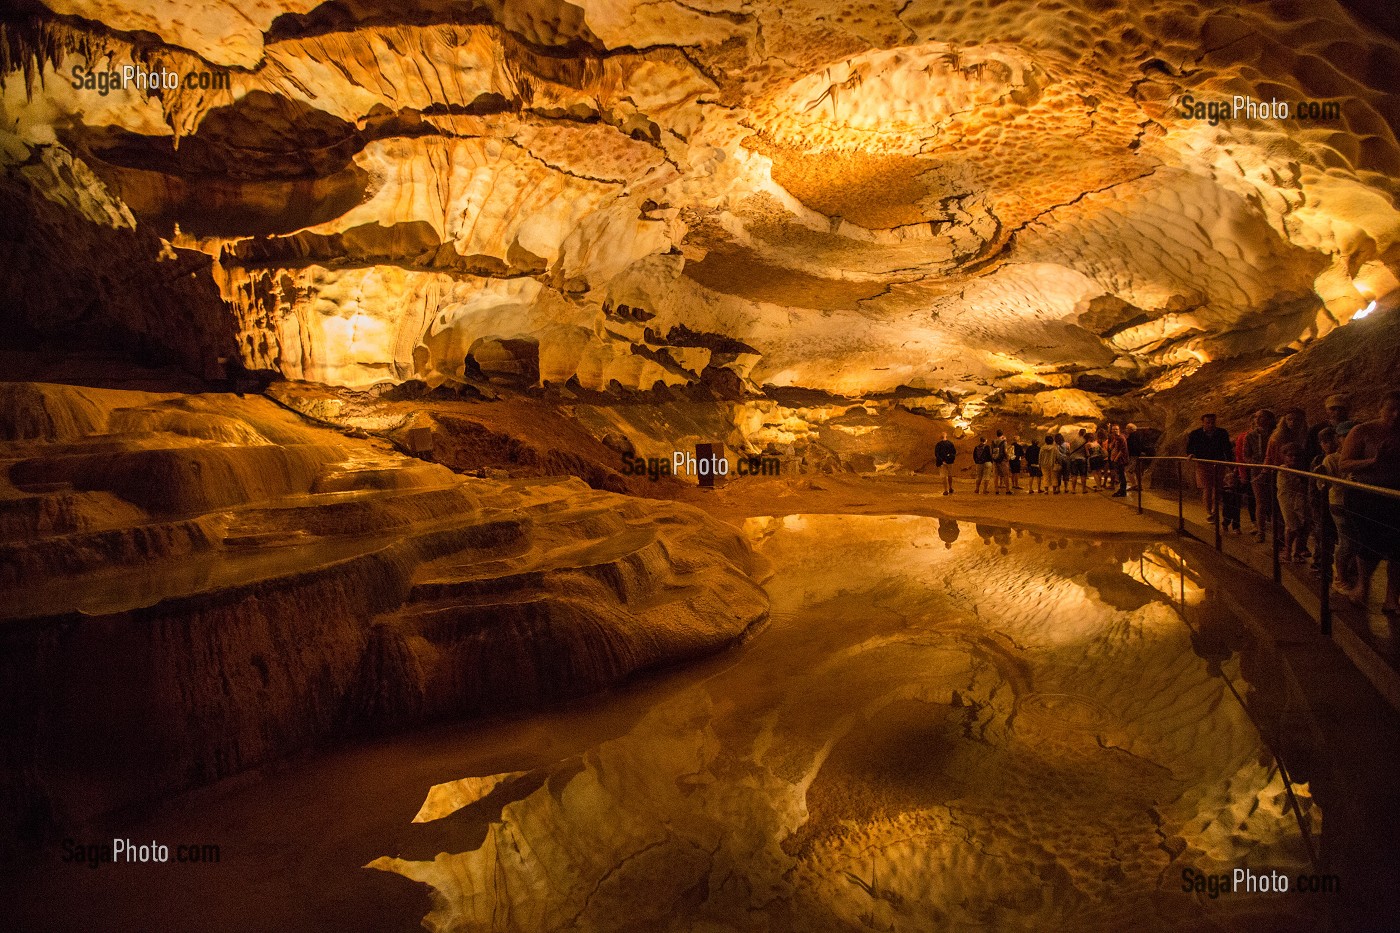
936	732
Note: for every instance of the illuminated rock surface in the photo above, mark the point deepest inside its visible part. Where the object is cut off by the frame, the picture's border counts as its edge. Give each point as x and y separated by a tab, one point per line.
255	584
537	241
965	199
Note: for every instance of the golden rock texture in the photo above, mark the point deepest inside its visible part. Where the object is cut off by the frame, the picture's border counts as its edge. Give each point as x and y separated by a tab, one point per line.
197	584
943	196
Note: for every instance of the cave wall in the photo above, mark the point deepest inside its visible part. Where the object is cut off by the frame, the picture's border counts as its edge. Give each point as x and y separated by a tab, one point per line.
959	199
72	284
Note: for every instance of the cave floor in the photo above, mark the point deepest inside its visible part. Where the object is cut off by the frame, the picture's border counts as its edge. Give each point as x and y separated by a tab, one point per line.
856	494
944	726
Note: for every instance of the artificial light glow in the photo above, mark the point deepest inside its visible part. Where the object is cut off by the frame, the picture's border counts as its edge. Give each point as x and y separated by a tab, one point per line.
1364	311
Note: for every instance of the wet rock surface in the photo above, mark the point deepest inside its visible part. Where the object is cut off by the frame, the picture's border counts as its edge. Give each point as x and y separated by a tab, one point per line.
199	584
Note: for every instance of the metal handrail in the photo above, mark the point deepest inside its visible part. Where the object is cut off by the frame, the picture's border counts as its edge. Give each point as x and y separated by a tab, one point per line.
1337	480
1327	541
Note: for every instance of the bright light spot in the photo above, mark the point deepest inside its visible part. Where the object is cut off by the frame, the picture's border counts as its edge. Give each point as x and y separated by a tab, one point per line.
1364	311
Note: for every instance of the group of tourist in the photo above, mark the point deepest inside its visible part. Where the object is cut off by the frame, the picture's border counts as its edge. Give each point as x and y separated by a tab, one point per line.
1315	517
1050	466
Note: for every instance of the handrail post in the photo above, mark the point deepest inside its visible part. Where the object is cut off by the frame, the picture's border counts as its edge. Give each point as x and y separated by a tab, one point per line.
1137	469
1181	581
1268	511
1275	519
1215	483
1180	511
1327	540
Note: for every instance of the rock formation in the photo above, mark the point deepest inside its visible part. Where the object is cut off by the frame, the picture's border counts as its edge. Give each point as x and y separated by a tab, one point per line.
1014	207
419	278
199	584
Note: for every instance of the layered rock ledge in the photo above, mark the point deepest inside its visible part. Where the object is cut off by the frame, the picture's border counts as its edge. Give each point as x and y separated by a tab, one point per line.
199	584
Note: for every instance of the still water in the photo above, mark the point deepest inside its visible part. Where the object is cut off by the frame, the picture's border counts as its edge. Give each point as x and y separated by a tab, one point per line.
943	727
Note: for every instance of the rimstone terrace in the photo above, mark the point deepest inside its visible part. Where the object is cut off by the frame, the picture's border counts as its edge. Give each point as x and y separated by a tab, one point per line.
705	467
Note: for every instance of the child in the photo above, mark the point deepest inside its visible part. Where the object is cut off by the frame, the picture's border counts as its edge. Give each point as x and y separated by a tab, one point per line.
1293	504
1230	501
1344	566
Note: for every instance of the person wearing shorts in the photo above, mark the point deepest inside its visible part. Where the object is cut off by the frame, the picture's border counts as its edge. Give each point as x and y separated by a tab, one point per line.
982	466
1079	462
944	453
1001	461
1097	459
1033	469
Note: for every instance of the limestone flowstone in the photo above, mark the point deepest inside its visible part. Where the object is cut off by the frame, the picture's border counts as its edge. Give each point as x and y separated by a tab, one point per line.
900	194
199	584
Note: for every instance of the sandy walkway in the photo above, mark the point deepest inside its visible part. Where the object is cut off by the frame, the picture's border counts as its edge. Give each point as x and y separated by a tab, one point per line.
849	494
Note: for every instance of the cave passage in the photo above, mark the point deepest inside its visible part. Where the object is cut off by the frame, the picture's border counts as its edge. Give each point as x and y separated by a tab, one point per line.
966	726
663	466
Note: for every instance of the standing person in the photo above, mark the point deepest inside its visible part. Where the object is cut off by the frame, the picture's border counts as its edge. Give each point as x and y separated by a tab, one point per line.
1208	442
982	466
1261	482
1135	451
1242	474
1344	566
1320	517
1337	411
1292	503
1033	470
1230	496
1001	456
944	453
1063	469
1079	462
1050	465
1324	528
1292	429
1117	449
1018	453
1097	459
1371	454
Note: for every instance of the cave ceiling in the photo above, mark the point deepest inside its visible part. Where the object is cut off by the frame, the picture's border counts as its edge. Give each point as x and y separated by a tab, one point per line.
850	197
